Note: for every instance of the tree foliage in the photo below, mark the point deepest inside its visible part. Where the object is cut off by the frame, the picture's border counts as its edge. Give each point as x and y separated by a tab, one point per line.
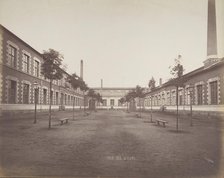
51	65
177	70
52	71
92	94
152	83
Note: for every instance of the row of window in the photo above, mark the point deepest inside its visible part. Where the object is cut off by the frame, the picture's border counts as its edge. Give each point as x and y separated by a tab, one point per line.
187	97
26	65
26	61
65	99
112	103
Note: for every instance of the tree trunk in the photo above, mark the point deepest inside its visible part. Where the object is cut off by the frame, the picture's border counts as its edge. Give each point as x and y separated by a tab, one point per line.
49	126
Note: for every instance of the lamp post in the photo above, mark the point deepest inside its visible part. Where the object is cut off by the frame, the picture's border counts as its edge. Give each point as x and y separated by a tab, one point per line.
191	89
35	84
151	108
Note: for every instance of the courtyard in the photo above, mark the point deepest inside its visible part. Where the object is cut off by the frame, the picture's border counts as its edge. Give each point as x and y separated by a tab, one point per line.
110	143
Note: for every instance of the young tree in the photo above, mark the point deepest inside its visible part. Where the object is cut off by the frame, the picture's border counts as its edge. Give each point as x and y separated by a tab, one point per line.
94	96
177	72
128	97
151	85
75	83
84	88
122	100
139	93
52	71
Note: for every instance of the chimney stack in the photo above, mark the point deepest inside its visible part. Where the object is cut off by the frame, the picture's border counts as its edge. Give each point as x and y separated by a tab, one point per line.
101	83
160	82
81	69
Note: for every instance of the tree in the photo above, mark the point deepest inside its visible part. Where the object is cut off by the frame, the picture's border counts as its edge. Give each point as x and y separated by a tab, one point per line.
128	97
139	93
75	83
94	96
151	85
84	88
52	71
122	100
177	72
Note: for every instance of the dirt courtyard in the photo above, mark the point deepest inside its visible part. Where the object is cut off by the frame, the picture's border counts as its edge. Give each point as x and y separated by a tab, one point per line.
111	144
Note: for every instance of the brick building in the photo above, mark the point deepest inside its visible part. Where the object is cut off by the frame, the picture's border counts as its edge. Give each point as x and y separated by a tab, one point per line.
20	68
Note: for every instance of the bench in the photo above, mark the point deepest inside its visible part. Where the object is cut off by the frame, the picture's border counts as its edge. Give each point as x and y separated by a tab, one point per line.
63	120
158	121
86	113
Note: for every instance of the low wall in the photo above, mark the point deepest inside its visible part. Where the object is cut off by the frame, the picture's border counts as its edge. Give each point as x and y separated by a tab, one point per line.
6	109
205	110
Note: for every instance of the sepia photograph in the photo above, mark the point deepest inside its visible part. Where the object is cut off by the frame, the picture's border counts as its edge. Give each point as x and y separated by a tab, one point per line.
112	88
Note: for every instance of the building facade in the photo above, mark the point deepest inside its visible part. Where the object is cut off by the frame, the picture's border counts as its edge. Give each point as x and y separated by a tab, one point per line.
20	77
203	88
111	97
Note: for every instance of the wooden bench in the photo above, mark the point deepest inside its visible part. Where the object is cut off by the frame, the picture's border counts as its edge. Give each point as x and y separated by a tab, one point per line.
158	121
86	113
63	120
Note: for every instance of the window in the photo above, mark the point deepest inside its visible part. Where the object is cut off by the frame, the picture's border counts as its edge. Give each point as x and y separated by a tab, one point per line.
44	96
180	100
62	98
52	97
25	93
119	103
12	91
26	63
213	92
104	102
36	95
12	56
112	102
68	99
199	94
36	68
56	98
65	99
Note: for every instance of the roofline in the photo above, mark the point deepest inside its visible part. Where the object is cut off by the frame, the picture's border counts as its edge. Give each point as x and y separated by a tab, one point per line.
190	74
11	33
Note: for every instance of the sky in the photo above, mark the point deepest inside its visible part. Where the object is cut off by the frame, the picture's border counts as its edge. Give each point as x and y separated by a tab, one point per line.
123	42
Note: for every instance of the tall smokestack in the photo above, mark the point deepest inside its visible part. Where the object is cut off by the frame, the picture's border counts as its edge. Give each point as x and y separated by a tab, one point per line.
81	69
160	82
101	83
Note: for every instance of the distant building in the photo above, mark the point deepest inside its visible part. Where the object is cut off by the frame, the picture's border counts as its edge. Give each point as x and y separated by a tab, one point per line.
111	97
20	67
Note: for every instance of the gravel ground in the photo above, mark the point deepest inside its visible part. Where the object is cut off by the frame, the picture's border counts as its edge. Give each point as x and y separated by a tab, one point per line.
111	144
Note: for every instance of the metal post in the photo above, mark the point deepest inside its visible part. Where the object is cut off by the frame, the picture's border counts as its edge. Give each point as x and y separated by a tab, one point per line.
191	108
73	115
151	108
177	108
35	102
35	84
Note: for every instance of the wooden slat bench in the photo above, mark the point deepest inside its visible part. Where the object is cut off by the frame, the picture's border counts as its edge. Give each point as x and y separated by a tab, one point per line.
86	113
158	121
63	120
